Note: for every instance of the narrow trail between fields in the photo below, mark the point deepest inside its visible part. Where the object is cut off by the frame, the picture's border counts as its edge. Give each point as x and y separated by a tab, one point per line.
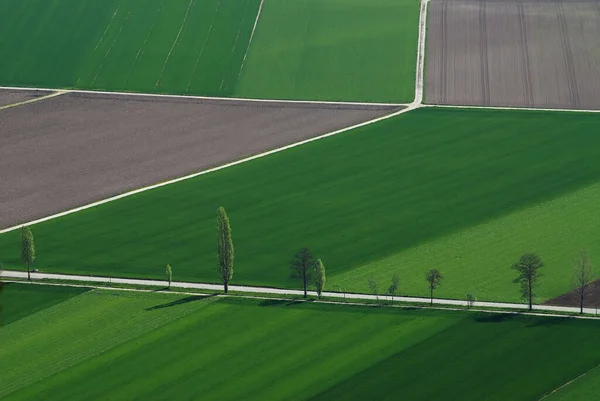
33	100
287	292
420	71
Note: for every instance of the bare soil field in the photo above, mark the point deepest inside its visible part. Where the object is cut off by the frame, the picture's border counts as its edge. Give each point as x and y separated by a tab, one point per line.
591	299
528	53
15	96
75	149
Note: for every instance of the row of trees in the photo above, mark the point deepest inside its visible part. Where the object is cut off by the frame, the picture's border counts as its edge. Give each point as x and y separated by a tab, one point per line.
308	269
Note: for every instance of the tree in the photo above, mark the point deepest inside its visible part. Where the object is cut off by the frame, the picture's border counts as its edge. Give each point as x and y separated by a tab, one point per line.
528	267
319	276
470	300
374	288
394	286
27	249
582	276
224	248
169	274
1	288
434	278
302	266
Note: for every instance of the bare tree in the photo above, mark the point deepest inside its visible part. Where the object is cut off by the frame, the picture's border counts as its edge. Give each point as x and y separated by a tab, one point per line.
434	278
527	266
302	267
582	276
374	288
394	286
470	300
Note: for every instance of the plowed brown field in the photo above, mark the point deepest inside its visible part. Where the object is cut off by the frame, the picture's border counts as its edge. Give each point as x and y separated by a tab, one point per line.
528	53
74	149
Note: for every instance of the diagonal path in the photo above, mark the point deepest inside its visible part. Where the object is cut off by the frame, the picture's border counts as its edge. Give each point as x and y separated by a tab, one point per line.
104	181
37	99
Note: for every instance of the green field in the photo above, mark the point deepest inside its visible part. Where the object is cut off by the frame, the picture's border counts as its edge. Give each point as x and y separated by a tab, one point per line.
124	345
334	50
20	300
457	190
586	387
326	49
422	227
179	46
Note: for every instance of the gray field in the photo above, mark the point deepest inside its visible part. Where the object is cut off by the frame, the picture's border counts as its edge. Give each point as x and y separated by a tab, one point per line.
74	149
528	53
8	96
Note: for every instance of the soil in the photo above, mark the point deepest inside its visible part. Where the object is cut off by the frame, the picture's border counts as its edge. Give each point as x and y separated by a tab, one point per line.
520	53
15	96
591	300
75	149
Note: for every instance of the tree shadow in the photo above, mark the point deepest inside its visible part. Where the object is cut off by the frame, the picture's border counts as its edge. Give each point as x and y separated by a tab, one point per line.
180	301
280	302
542	321
494	317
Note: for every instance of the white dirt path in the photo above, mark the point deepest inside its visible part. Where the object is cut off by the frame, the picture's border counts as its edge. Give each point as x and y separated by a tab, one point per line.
420	71
36	99
280	291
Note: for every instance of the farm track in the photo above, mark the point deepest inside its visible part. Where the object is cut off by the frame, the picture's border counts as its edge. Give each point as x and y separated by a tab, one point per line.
12	274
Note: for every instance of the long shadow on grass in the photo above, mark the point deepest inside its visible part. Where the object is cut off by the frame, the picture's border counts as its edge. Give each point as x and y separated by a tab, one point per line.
494	317
181	301
281	302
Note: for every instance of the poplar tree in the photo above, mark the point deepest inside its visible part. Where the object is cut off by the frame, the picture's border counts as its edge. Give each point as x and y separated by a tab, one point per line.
319	277
27	249
224	248
169	274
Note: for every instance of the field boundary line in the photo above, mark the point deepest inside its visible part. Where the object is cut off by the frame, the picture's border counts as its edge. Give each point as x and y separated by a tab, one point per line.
34	100
251	37
556	110
198	97
568	383
438	302
419	76
210	170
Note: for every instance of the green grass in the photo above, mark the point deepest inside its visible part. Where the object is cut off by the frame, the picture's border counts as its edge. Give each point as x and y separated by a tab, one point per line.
68	333
125	45
149	346
584	388
19	300
325	49
466	191
333	50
